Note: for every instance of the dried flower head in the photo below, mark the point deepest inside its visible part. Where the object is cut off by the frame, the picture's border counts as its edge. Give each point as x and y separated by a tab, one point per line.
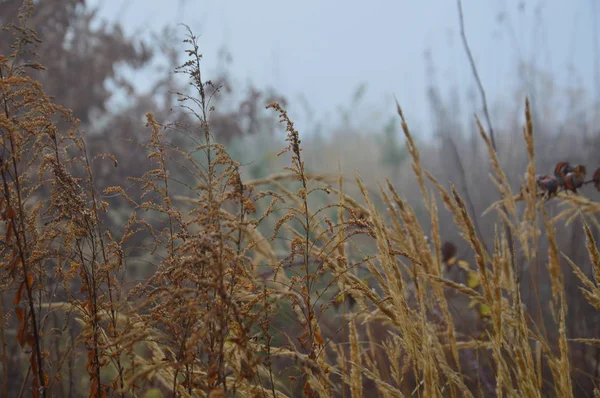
547	184
596	179
575	179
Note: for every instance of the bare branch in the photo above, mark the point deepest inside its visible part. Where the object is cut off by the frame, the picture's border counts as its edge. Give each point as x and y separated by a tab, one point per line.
475	73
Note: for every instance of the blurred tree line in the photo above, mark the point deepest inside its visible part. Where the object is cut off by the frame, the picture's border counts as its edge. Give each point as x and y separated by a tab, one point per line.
86	59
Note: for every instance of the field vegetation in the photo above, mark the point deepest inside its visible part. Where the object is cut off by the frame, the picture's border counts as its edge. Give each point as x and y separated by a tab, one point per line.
146	259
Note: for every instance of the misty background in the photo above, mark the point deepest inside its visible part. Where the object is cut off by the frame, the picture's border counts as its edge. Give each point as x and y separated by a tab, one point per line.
336	68
319	54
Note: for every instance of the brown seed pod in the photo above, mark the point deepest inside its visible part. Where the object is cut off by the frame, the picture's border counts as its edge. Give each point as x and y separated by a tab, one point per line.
575	179
596	179
579	173
548	184
448	251
562	169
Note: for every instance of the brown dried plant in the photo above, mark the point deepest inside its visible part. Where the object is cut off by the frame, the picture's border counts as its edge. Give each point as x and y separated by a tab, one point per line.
284	286
54	242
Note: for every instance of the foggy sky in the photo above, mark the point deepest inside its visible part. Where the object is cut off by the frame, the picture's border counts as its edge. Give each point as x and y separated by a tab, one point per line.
323	50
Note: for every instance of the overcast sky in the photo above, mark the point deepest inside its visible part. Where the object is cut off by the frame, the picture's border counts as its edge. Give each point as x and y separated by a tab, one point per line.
323	50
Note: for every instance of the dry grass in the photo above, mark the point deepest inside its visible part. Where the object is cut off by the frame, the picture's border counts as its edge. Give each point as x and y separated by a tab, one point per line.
284	286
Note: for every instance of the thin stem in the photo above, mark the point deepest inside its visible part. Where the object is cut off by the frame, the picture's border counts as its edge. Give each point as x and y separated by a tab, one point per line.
22	247
475	74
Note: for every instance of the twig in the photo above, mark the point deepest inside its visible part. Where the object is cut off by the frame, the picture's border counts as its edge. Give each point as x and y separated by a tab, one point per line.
486	112
475	74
